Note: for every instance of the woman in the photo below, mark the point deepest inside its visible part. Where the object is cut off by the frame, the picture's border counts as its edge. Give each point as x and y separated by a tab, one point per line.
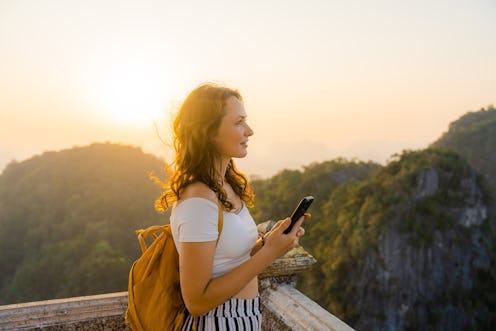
218	278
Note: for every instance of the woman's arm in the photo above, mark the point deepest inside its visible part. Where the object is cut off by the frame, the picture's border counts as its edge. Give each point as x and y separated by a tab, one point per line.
201	293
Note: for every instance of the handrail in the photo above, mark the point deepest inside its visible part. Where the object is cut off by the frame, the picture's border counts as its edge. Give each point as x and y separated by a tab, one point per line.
284	307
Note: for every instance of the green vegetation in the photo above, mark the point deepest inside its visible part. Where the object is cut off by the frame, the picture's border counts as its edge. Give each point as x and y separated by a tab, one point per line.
277	196
474	136
358	213
356	203
67	221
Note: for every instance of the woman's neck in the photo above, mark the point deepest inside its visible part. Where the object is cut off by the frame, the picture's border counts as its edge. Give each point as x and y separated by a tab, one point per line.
222	169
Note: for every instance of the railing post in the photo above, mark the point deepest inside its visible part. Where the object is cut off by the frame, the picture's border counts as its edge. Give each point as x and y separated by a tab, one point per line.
284	308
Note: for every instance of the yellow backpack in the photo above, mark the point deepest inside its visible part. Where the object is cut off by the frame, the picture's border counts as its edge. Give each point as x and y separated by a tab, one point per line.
154	292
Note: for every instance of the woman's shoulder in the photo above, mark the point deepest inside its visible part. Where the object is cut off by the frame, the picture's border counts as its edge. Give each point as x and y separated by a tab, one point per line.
197	201
198	190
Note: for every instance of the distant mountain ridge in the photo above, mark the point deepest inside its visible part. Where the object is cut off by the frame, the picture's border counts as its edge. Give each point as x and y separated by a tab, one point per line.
417	243
67	220
473	135
411	245
406	246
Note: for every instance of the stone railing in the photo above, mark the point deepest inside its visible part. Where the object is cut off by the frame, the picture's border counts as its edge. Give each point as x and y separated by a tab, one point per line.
283	306
96	312
286	308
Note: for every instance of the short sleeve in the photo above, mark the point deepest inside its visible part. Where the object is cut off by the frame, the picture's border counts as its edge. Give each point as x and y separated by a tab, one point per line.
195	220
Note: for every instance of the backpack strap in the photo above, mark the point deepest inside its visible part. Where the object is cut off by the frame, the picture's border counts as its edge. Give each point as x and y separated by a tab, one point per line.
220	219
153	231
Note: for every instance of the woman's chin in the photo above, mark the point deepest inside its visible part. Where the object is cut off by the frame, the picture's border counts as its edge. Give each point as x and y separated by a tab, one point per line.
241	154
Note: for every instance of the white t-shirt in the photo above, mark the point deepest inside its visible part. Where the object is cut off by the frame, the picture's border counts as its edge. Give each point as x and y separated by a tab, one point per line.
195	220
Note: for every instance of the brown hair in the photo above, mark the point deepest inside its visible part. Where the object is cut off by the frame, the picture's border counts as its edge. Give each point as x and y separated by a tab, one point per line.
195	126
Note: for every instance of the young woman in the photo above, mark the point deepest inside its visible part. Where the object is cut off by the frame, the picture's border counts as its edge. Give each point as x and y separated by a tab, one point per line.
218	274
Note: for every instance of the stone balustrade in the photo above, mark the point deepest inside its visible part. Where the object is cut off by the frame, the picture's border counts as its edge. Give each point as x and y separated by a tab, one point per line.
96	312
283	306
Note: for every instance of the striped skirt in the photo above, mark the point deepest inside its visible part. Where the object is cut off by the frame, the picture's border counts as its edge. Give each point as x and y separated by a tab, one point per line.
234	314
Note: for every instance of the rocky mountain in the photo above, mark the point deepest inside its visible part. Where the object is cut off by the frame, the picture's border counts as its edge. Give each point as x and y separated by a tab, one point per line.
428	262
276	197
67	220
407	246
473	135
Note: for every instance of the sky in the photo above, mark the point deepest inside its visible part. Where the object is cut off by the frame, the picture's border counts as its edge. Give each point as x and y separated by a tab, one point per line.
320	79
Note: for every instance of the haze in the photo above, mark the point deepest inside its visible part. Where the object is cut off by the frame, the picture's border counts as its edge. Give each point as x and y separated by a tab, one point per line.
320	79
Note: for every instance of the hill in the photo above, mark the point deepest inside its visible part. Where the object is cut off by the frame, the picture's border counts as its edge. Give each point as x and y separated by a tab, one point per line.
67	221
406	246
401	247
473	135
277	196
409	248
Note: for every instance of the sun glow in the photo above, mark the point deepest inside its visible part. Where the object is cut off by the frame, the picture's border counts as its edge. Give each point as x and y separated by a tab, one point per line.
132	92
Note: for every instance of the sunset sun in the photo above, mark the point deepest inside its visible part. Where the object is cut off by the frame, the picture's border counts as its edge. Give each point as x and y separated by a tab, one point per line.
132	93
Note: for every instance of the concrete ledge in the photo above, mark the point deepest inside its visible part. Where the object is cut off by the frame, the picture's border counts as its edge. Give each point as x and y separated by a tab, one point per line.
294	262
41	314
286	308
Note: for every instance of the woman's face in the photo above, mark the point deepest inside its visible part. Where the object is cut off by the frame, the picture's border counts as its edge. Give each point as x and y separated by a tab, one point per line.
232	136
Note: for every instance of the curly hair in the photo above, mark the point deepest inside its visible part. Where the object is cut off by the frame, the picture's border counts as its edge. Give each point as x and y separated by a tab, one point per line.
194	129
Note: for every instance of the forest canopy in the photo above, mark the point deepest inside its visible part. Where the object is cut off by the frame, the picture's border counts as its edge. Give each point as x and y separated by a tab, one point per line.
67	220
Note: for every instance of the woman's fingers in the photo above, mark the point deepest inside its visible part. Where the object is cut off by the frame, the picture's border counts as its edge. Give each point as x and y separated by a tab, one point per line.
283	224
277	240
300	232
297	226
280	226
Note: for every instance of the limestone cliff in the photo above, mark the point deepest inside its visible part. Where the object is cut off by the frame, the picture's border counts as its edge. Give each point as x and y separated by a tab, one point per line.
473	135
425	277
409	248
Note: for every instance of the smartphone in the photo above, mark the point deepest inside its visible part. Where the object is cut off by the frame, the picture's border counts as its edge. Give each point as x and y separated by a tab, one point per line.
299	212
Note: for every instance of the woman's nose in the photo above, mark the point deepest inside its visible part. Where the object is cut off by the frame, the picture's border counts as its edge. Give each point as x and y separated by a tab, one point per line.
249	131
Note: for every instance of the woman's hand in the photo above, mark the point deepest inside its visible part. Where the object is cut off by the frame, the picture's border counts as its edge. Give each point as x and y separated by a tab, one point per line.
280	243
